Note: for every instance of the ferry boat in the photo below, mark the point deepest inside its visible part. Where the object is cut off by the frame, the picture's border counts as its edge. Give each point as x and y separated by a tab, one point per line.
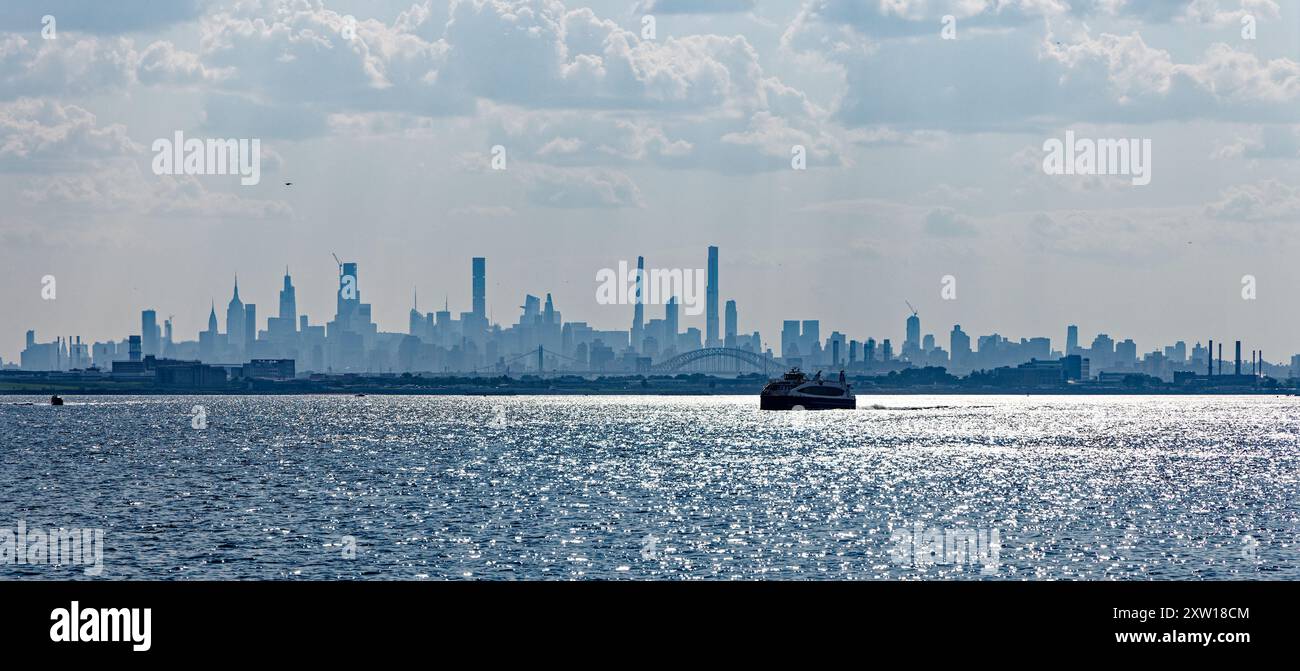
797	390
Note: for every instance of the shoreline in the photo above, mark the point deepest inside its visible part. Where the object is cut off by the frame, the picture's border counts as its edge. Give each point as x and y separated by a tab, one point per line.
363	391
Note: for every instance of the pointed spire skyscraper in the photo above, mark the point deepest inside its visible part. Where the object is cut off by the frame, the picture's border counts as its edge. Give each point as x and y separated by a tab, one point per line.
235	318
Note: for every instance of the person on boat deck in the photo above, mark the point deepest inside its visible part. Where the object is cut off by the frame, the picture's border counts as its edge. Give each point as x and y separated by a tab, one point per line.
818	377
841	377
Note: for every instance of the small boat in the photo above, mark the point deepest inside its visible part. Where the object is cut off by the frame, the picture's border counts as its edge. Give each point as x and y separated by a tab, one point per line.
56	400
795	390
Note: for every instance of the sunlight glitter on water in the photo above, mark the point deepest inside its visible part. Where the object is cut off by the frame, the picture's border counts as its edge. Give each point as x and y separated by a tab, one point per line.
570	487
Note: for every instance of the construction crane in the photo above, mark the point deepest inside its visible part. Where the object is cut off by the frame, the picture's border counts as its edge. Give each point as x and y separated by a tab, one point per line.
336	260
909	307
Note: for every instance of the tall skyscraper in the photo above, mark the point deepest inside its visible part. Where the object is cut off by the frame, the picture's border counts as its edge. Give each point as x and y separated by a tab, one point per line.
1071	339
638	310
250	326
480	287
235	318
729	325
912	343
348	296
711	294
811	337
288	301
671	321
208	339
149	332
790	338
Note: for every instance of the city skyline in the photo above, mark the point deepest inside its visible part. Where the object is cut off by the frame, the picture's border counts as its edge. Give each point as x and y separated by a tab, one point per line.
473	342
922	158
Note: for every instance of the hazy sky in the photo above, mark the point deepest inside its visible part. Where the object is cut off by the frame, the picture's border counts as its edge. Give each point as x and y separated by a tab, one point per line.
924	159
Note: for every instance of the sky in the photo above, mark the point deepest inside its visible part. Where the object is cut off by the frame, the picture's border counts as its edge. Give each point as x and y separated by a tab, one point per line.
922	155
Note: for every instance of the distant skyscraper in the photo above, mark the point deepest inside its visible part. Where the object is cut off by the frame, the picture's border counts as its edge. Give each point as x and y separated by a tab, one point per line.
1071	339
1126	352
348	295
532	309
790	338
711	294
414	320
912	343
235	318
886	350
638	310
810	340
959	346
149	332
288	301
1102	352
671	323
250	325
729	326
480	287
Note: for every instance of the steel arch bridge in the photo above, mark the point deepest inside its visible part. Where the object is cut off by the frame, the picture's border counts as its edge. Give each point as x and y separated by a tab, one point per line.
701	358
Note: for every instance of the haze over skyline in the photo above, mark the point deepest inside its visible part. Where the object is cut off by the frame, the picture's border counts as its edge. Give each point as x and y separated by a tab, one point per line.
923	160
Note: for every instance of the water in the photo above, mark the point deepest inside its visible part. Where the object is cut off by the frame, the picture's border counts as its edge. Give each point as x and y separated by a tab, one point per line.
641	487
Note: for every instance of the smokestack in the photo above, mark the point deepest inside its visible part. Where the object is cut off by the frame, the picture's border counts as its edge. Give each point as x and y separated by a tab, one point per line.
1220	358
1238	358
1209	359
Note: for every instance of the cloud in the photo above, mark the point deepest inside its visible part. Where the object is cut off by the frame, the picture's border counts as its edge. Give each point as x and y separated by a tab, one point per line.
103	18
1214	13
121	187
304	55
945	222
38	135
577	188
80	65
695	6
66	66
849	26
1029	74
885	136
161	63
560	86
1268	200
1273	142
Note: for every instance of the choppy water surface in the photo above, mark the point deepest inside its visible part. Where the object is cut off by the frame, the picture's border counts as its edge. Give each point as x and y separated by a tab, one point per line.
658	487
